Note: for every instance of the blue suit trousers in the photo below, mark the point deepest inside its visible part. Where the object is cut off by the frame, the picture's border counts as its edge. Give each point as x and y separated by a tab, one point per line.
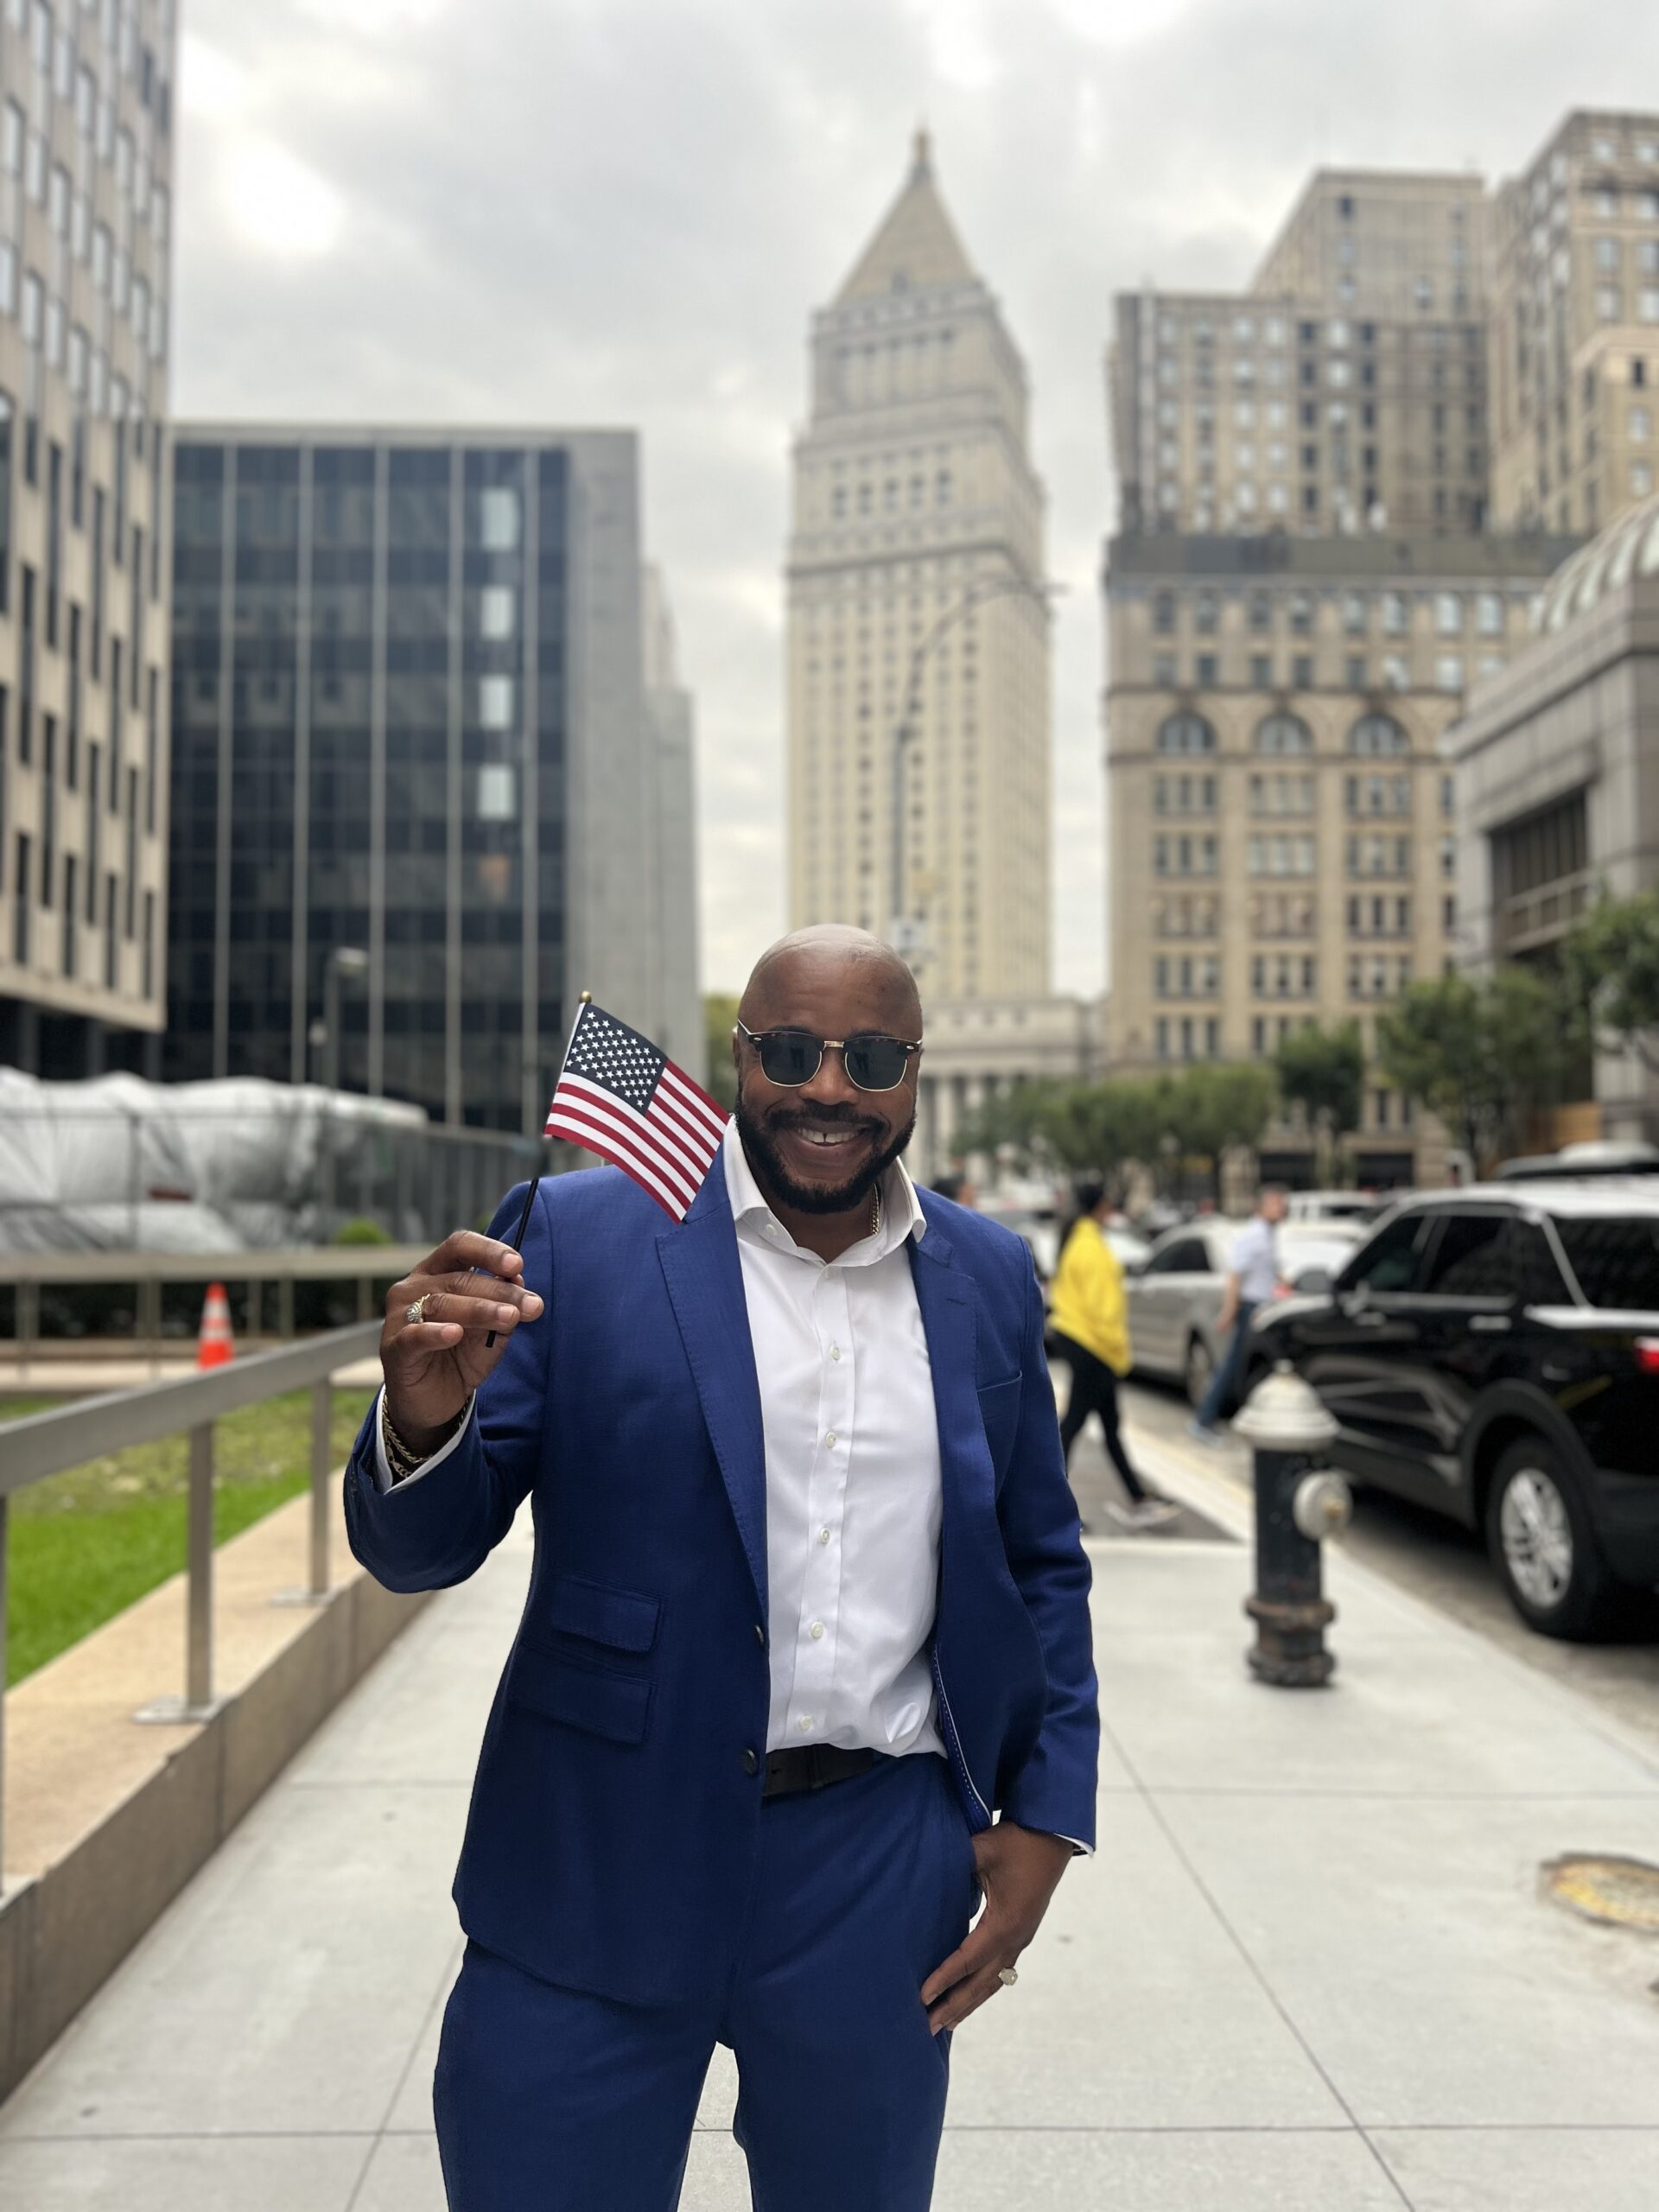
552	2099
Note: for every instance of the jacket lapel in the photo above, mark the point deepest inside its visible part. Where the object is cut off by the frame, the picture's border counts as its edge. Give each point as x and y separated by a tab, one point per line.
705	1287
949	1318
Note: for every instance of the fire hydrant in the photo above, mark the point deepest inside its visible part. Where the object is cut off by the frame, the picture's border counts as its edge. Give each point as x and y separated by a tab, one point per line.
1297	1505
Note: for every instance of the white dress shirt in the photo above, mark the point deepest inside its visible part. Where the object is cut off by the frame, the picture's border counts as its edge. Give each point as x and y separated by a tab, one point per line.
855	1497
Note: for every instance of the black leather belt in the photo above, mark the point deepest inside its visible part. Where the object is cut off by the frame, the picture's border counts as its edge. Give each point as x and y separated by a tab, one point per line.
812	1766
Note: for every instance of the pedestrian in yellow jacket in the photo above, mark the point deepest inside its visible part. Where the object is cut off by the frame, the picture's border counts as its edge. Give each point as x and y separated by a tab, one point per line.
1089	1322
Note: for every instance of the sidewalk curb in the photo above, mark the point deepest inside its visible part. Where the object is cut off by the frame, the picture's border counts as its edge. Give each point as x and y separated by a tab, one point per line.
1226	1498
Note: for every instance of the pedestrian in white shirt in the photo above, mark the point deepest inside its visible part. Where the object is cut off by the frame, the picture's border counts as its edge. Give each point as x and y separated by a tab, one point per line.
1251	1281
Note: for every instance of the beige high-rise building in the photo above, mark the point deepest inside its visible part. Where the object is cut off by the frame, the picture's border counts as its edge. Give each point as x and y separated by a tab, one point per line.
918	643
87	138
1575	326
1346	389
1282	845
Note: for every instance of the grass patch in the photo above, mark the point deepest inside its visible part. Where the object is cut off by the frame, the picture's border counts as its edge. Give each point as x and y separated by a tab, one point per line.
88	1543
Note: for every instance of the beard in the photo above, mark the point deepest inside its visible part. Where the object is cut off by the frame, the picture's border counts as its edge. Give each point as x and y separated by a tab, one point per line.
779	1185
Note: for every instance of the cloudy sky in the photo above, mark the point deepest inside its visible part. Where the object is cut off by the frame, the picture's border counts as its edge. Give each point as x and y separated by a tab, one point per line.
624	211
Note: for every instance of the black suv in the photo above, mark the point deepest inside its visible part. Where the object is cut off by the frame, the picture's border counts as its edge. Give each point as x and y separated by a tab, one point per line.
1494	1353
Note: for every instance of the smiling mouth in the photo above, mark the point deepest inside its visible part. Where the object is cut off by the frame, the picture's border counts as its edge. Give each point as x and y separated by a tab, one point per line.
837	1140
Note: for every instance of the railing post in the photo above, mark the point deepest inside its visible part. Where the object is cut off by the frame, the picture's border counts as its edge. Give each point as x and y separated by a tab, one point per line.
315	1590
5	1503
322	1422
199	1679
197	1703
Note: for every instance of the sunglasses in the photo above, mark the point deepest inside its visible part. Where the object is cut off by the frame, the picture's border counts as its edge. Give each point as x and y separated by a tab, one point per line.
790	1057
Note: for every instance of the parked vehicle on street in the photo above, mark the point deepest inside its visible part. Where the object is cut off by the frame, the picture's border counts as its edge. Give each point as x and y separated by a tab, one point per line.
1594	1157
1359	1206
1175	1292
1493	1353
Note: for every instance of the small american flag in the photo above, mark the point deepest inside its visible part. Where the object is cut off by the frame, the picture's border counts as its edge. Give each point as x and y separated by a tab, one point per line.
619	1096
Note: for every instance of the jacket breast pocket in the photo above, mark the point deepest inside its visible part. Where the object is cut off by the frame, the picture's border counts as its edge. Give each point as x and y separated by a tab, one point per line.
582	1658
999	1408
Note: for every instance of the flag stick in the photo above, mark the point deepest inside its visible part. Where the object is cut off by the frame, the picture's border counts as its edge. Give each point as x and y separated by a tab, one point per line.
518	1239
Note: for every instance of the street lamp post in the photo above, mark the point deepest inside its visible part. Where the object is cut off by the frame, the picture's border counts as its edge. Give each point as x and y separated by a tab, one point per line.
907	936
343	960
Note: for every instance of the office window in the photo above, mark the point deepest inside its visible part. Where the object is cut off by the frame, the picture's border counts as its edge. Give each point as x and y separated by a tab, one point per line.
1609	305
1641	478
500	519
1301	672
1356	612
1377	735
1448	671
1646	304
1448	615
1185	732
1261	672
495	703
1396	614
497	612
13	130
1607	256
1638	425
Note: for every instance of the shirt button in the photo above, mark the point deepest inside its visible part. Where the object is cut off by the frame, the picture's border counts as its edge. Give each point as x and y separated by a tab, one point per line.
805	1724
760	1636
824	1535
835	1351
830	1439
817	1630
751	1761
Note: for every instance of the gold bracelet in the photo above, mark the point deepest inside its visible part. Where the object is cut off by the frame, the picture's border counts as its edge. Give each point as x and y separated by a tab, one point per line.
404	1460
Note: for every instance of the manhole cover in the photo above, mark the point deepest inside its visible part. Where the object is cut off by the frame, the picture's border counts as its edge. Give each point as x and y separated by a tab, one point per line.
1617	1893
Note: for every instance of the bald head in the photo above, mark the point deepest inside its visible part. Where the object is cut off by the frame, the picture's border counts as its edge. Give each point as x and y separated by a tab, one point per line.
834	956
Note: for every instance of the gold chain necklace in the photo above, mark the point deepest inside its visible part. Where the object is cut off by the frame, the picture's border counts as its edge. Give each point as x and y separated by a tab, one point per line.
875	1210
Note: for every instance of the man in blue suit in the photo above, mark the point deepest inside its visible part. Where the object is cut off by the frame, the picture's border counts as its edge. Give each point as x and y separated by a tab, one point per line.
803	1673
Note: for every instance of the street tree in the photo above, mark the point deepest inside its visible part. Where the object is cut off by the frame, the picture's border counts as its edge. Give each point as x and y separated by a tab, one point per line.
1610	966
1323	1072
1482	1053
719	1019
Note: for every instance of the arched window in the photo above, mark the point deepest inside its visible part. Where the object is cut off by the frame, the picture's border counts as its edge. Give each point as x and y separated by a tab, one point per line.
1186	733
1283	733
1375	734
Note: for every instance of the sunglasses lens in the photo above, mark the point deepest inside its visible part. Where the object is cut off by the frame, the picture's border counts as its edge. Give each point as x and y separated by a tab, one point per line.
791	1057
875	1063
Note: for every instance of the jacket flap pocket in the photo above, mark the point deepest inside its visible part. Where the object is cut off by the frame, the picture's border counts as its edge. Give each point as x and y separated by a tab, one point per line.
582	1697
622	1618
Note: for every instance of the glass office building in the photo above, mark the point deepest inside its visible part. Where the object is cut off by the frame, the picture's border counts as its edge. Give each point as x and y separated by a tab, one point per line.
87	133
417	785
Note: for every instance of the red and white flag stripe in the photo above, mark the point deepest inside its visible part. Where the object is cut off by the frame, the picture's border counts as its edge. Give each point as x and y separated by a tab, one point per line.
668	1144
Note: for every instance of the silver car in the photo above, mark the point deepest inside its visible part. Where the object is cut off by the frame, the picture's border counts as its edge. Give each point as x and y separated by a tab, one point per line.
1175	1293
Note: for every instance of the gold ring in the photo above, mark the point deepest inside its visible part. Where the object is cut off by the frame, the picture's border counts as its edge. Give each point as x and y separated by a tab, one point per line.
1008	1976
417	1311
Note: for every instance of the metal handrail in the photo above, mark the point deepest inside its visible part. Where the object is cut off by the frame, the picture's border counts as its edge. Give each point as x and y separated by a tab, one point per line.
306	1263
51	1443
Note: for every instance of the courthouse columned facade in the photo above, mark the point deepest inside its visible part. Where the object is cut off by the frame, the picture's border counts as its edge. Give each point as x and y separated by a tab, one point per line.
915	567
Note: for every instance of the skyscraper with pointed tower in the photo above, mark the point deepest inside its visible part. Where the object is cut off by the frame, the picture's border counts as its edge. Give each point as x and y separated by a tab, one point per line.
919	650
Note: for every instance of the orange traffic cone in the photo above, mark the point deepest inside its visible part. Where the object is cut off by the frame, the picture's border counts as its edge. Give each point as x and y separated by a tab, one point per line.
214	1343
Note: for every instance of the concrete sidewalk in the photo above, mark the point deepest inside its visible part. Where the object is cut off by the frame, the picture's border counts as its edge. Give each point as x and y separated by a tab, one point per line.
1310	1969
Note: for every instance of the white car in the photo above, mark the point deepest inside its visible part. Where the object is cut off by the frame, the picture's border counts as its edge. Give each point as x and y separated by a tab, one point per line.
1175	1294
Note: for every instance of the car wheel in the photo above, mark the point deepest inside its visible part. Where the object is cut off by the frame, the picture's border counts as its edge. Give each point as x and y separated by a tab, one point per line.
1199	1369
1539	1535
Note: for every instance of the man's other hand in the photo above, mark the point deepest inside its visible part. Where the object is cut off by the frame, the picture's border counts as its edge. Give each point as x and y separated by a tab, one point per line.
1019	1869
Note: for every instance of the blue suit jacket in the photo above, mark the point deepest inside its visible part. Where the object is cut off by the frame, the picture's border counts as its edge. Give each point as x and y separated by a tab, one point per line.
615	1811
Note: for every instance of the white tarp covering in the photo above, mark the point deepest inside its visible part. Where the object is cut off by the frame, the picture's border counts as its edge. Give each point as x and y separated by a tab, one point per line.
120	1164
